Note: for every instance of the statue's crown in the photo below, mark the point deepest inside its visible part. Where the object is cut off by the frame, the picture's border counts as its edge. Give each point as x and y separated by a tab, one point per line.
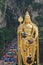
27	14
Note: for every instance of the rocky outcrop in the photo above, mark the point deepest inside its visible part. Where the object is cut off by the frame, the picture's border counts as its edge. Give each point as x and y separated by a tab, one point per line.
38	1
2	20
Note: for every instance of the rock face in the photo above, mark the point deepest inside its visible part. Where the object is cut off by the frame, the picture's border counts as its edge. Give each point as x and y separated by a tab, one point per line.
38	1
2	20
34	14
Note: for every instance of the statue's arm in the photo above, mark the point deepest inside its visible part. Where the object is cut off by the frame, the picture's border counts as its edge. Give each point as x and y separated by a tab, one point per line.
36	32
18	37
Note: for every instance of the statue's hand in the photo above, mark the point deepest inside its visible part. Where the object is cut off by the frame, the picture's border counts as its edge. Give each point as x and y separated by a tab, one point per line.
23	35
30	41
33	39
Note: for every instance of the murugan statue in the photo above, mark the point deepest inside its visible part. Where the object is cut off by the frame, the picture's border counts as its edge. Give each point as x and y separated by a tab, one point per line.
28	45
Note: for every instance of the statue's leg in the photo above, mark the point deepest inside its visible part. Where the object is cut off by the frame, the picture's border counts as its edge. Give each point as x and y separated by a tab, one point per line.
37	55
37	58
38	52
19	57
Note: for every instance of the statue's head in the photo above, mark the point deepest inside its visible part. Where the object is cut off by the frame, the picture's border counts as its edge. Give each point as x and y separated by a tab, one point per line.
27	18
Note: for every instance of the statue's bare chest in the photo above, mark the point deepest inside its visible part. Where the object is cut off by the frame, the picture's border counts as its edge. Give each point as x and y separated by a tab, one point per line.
27	28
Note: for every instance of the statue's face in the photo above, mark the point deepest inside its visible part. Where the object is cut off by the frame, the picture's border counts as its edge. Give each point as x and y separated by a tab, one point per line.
27	20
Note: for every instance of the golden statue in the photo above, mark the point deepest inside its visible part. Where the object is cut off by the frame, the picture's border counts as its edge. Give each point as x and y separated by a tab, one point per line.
28	46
